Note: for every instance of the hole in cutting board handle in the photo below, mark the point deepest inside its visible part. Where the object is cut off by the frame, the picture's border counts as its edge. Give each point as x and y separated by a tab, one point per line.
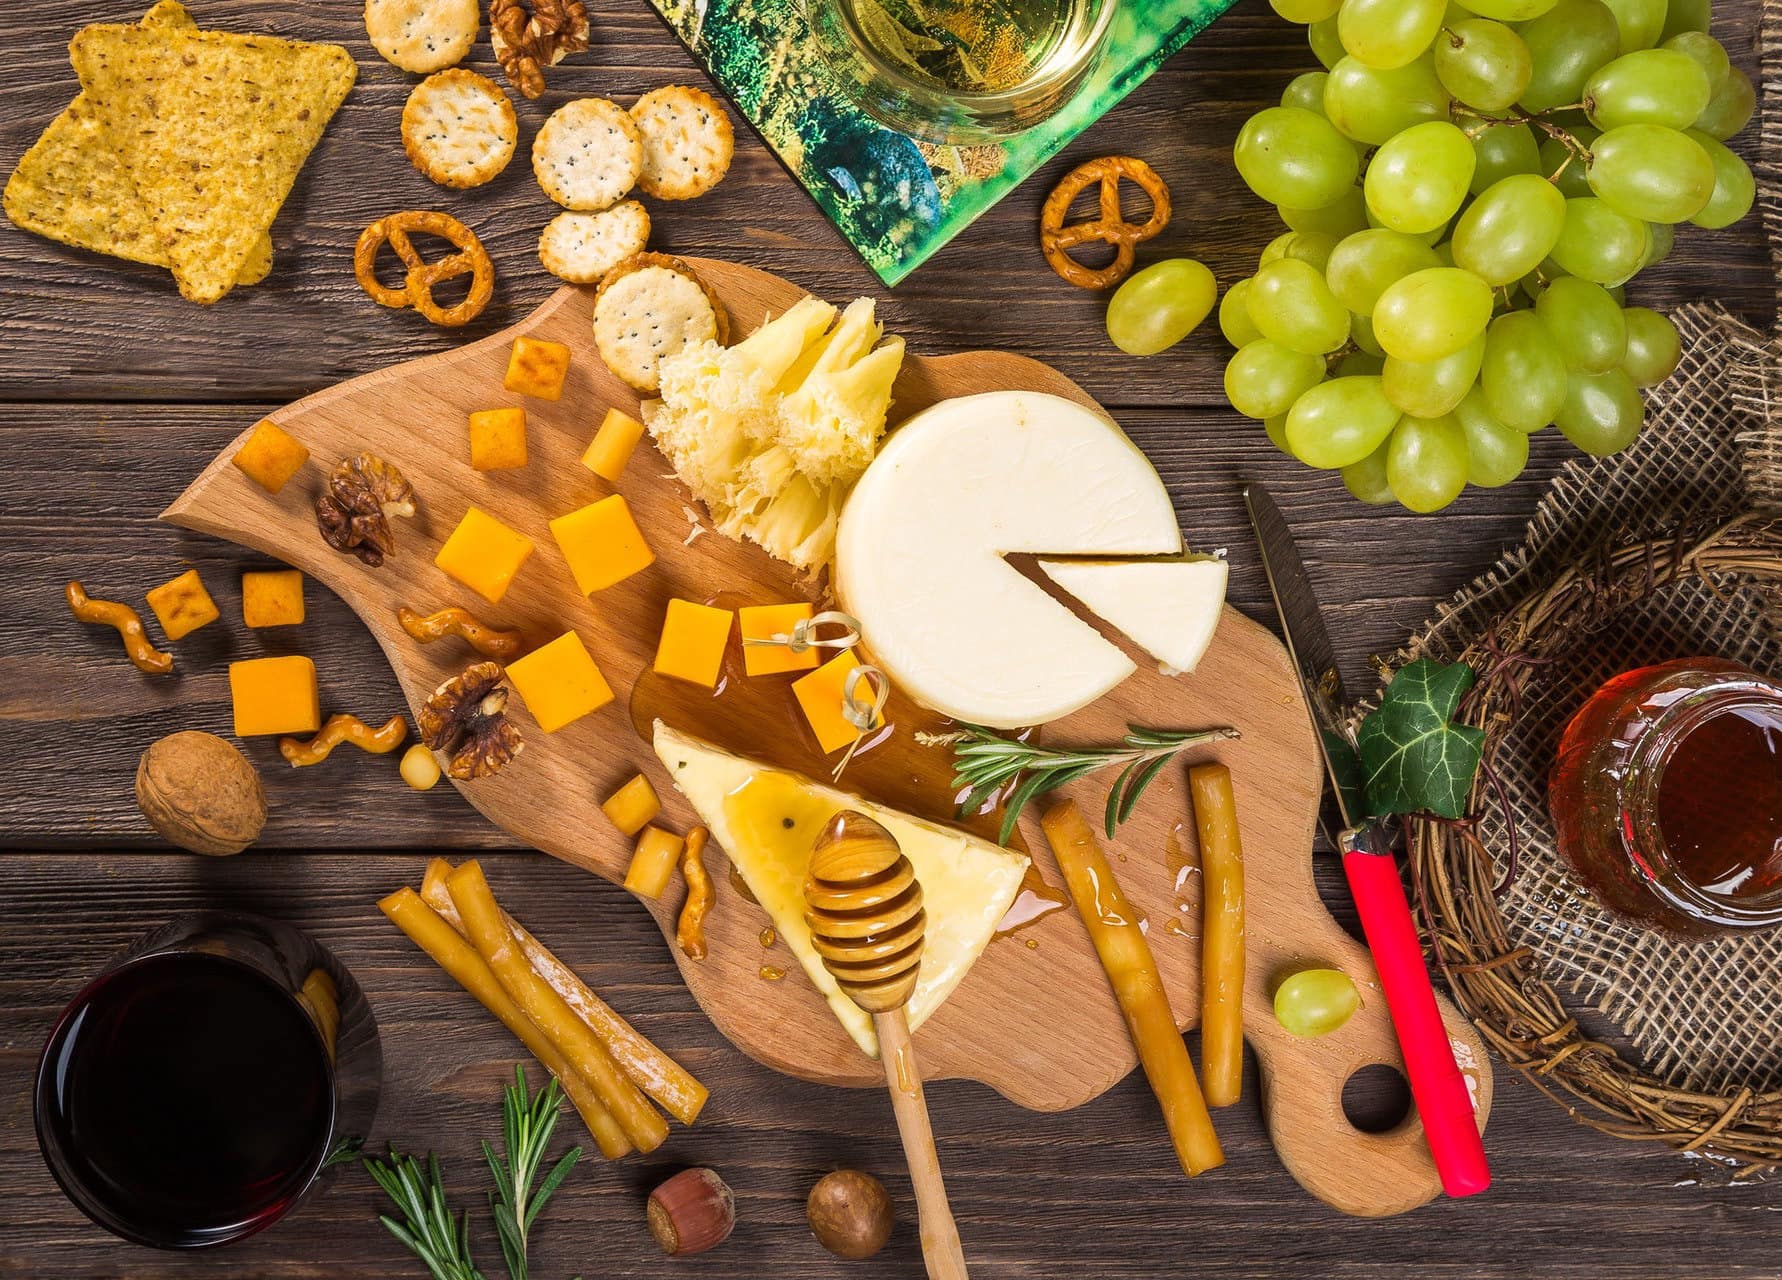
1376	1098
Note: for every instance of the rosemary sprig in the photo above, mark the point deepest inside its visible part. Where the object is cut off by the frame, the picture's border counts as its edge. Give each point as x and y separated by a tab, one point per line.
985	762
526	1126
440	1239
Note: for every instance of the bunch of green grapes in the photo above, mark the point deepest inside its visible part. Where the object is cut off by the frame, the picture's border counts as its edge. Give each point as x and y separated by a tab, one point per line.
1467	187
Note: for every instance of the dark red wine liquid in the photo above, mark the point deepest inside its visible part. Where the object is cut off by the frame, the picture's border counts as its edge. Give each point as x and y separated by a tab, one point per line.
191	1096
1720	803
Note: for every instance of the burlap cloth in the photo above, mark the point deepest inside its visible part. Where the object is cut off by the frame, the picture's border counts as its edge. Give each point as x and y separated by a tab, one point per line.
1703	1015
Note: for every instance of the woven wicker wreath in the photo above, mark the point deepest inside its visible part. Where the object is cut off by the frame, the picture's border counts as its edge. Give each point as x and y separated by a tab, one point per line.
1500	986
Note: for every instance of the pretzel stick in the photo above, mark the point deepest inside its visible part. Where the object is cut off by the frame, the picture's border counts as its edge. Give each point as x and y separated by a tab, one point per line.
486	640
1222	933
690	928
669	1084
129	626
459	959
341	729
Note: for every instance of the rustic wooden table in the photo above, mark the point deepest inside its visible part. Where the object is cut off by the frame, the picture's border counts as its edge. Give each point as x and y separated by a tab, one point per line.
113	392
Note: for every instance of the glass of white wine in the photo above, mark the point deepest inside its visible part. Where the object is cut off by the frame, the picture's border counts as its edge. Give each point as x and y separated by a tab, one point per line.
963	72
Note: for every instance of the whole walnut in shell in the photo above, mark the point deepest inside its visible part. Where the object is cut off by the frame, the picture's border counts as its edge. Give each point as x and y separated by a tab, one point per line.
200	793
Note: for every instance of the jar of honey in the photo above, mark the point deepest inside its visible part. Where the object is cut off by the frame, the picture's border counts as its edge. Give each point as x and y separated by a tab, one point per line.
1666	796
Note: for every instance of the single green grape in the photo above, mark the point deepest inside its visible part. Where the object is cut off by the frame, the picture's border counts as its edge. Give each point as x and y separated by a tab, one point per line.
1482	63
1361	333
1570	168
1312	248
1600	243
1234	316
1706	52
1507	231
1305	12
1388	33
1159	306
1339	422
1641	22
1371	105
1653	347
1734	188
1306	92
1602	413
1474	414
1275	249
1566	44
1731	107
1417	180
1366	479
1434	388
1426	463
1315	1002
1584	322
1264	378
1291	156
1291	304
1653	173
1495	454
1506	10
1277	433
1363	264
1619	293
1503	150
1664	237
1523	374
1647	86
1432	313
1347	214
1686	15
1327	45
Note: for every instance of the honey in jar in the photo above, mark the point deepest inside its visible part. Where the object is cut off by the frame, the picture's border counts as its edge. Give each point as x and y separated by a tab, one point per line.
1667	796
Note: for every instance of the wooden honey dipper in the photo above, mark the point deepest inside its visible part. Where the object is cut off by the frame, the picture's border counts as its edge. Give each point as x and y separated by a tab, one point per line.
866	920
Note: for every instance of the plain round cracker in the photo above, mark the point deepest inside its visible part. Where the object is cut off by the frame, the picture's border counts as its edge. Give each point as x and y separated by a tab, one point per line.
582	247
459	128
649	307
687	142
422	36
588	155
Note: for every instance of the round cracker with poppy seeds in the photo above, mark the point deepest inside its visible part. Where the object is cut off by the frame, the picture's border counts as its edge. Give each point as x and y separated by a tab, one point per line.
649	307
687	142
459	128
588	155
582	247
422	36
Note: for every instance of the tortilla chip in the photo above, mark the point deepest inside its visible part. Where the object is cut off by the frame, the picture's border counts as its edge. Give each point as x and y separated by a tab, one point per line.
71	187
213	128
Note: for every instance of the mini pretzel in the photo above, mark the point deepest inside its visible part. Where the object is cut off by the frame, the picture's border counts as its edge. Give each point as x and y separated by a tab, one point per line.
1110	227
128	622
339	729
422	276
486	640
689	931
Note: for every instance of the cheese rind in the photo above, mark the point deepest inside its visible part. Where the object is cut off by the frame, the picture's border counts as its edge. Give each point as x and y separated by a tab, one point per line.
766	820
1169	608
920	547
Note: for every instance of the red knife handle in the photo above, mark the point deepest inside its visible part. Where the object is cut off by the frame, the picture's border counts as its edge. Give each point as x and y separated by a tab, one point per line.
1444	1103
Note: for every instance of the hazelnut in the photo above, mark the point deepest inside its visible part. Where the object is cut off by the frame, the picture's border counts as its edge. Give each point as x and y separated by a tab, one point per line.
851	1213
200	793
692	1212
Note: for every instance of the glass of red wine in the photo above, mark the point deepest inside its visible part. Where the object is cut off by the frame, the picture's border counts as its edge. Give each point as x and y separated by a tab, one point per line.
193	1092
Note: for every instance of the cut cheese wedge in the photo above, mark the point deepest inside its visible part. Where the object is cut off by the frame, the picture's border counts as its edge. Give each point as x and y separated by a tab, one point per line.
919	554
1169	608
767	819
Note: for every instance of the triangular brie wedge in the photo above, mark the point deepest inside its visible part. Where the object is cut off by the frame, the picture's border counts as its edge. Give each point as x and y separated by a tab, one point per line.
766	820
1169	608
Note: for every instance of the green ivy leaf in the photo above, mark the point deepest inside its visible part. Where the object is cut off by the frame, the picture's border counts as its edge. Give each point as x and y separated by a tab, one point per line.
1414	756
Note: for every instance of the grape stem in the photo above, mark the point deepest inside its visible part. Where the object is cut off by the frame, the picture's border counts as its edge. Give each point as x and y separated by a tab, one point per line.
1538	119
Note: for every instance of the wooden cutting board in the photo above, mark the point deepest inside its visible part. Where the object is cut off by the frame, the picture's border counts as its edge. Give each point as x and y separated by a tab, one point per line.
1035	1019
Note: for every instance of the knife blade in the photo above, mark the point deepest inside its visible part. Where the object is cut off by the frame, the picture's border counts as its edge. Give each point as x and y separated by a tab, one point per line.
1444	1103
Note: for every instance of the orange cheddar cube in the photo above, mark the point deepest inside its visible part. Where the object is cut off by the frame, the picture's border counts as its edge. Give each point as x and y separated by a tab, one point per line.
272	597
602	544
820	697
633	806
270	456
182	605
484	554
274	695
560	682
692	643
611	447
537	368
498	439
764	622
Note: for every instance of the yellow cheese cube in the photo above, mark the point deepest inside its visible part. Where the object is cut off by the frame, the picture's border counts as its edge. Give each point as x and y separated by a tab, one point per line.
764	622
820	698
484	554
633	806
272	597
559	682
182	605
270	456
692	643
498	439
536	368
602	544
274	695
611	447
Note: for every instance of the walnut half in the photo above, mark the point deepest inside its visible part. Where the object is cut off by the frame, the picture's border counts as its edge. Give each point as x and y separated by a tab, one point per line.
467	718
526	43
364	492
